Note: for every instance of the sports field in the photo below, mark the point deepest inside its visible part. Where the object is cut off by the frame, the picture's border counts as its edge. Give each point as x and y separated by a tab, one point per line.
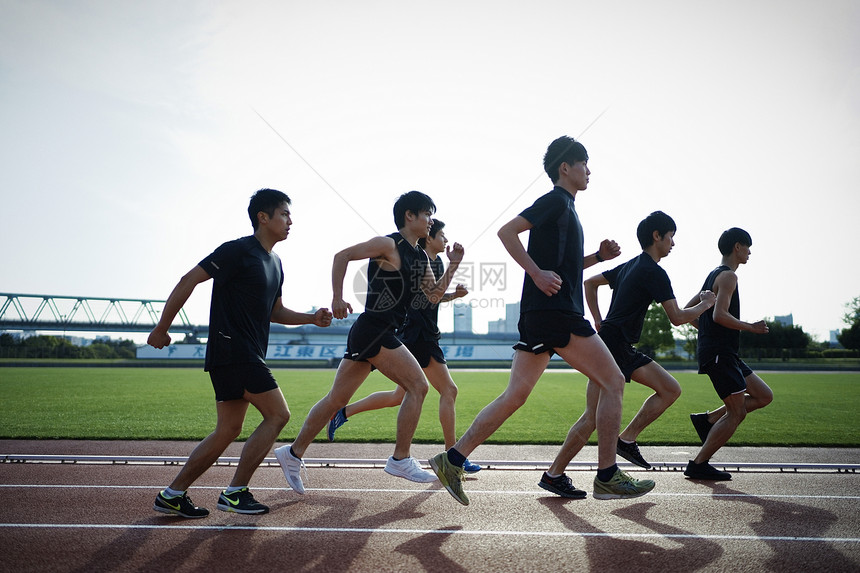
809	409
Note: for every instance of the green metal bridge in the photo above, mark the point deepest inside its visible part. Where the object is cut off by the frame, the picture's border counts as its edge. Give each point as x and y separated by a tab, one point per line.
37	312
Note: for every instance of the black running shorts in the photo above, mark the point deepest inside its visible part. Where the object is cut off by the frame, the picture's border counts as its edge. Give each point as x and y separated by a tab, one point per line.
626	356
543	330
230	381
367	336
424	350
727	373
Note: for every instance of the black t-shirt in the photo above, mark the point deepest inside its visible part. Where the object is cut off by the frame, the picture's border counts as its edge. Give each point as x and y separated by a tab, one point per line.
715	339
389	293
247	282
422	317
634	285
555	244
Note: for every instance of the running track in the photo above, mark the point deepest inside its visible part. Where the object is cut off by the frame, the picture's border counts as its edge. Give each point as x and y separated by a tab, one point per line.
97	517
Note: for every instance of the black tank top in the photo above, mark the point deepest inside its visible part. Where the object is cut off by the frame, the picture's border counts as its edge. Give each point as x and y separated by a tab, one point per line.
390	292
422	318
715	339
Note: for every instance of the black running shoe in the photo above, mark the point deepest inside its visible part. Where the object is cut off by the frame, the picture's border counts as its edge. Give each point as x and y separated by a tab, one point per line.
706	471
180	505
240	502
630	452
561	485
702	425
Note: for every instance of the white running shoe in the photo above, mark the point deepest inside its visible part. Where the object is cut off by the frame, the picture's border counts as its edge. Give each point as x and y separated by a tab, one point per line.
292	467
409	468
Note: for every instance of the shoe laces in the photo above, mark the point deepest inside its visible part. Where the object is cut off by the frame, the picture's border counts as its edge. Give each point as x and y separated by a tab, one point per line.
415	467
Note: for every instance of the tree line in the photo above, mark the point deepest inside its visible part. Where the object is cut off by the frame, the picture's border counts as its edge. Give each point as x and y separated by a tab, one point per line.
783	341
45	346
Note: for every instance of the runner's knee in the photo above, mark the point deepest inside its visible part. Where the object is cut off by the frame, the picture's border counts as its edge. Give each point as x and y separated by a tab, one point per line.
613	383
416	386
229	430
764	397
448	391
281	418
671	392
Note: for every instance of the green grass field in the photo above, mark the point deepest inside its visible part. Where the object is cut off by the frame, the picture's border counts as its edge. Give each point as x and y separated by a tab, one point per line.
809	409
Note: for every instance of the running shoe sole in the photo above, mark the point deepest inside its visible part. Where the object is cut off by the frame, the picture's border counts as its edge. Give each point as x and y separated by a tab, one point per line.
711	474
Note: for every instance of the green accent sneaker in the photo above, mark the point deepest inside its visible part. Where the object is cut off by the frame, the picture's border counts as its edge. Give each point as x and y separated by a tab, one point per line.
450	476
621	486
180	505
240	501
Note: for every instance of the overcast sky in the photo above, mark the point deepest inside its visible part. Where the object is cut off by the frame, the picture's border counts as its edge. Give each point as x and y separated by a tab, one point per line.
133	133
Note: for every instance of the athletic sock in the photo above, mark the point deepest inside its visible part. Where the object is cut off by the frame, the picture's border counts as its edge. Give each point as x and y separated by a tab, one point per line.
234	489
456	458
168	492
292	453
551	476
627	442
607	473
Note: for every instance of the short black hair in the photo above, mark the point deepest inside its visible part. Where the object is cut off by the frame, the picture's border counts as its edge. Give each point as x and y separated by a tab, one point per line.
565	149
434	228
731	237
265	200
656	221
414	201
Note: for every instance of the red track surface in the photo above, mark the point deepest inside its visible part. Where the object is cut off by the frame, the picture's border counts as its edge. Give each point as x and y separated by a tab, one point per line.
92	517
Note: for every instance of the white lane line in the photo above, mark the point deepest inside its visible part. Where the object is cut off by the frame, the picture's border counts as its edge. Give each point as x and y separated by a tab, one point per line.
363	530
431	491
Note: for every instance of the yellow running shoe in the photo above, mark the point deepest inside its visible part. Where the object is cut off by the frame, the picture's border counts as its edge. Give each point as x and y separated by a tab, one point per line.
621	486
450	475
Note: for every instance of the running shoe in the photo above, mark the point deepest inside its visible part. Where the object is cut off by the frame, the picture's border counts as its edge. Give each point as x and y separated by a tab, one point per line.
408	468
240	501
338	420
450	476
630	452
561	485
621	486
702	425
705	471
471	468
180	505
292	467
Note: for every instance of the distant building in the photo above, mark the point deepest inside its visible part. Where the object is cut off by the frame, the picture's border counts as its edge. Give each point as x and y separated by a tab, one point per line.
507	325
787	320
512	316
462	317
834	340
